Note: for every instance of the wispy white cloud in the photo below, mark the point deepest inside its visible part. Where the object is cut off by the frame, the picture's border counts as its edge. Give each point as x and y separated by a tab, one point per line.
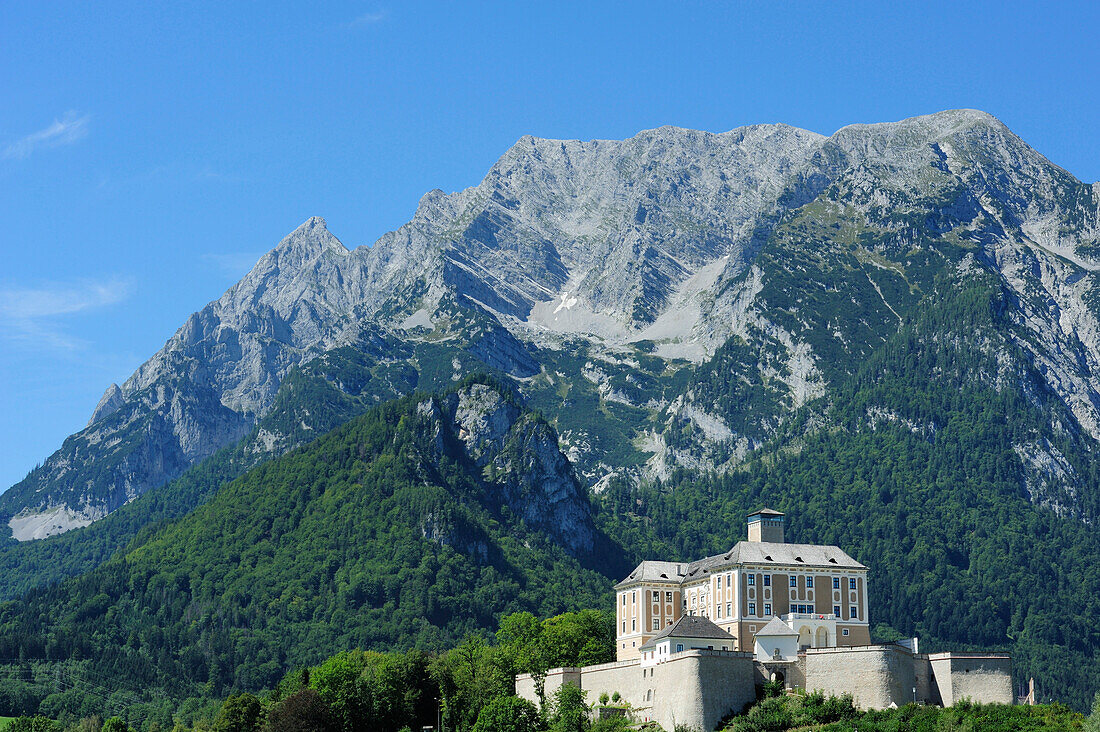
32	314
65	131
234	264
367	19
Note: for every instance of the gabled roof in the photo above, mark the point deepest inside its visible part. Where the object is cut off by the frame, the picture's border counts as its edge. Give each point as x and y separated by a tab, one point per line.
810	555
819	556
775	627
651	571
690	626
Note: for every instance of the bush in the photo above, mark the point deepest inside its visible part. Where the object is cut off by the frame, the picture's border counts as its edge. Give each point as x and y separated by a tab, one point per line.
508	714
239	713
302	711
570	711
36	723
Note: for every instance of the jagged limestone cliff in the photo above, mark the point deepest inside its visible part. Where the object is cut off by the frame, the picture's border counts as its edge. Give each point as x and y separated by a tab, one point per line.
695	288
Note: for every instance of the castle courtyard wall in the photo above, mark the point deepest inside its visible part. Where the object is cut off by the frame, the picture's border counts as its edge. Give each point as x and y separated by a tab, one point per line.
875	676
697	688
981	678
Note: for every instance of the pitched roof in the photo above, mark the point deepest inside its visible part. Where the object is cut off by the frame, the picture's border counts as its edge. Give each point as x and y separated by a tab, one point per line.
744	552
774	628
810	555
690	626
766	512
651	571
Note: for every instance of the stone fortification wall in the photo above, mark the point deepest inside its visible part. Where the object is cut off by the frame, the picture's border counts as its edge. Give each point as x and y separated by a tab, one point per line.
984	678
875	676
696	688
699	687
555	677
706	686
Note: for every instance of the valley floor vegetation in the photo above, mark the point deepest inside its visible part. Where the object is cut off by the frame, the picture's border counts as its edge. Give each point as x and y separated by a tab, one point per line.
470	688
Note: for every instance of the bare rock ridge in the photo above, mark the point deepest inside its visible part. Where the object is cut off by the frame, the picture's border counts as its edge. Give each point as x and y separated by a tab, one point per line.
683	243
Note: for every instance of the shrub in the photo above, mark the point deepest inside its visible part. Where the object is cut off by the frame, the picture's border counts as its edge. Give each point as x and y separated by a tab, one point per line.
508	714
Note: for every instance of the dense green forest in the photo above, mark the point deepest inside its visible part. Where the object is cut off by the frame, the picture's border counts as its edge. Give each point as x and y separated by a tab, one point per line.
382	535
469	688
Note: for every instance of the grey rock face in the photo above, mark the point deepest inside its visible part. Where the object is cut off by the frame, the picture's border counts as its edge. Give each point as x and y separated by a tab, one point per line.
109	403
674	237
524	466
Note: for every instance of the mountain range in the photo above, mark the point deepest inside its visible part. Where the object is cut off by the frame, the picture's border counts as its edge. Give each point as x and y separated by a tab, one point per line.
892	333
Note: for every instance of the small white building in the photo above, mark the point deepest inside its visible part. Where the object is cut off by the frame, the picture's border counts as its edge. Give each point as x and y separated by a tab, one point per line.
690	632
776	641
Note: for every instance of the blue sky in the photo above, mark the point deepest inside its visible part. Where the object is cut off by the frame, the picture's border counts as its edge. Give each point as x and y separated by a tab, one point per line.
150	152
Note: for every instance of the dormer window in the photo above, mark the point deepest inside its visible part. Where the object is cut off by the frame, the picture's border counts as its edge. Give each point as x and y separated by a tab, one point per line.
800	559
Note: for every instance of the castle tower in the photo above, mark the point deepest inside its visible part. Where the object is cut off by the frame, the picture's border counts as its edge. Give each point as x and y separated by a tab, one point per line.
766	525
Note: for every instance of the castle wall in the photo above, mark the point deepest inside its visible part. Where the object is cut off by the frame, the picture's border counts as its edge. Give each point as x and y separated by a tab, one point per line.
696	687
985	678
875	676
555	677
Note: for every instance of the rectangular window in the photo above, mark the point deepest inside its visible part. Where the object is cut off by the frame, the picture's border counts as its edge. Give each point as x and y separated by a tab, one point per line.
624	599
767	609
634	596
845	631
853	613
624	627
767	580
836	583
836	610
633	624
656	623
794	581
719	581
719	611
752	580
679	647
851	583
656	596
729	609
668	597
752	608
809	582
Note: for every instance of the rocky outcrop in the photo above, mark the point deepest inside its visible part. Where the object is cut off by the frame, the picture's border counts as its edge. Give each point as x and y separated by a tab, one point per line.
524	468
809	251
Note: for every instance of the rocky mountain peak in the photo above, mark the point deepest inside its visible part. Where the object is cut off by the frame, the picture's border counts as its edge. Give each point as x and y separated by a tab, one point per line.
108	404
679	238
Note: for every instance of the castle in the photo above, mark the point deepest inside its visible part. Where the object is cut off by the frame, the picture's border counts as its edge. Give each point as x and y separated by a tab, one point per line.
695	640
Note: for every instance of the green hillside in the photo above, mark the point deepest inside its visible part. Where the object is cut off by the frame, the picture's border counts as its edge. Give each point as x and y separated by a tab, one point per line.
382	534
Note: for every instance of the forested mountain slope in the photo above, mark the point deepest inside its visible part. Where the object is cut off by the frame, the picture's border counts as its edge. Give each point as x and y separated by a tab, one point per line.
418	522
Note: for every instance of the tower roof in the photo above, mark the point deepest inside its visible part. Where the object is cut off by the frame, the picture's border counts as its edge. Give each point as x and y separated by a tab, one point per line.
766	512
775	627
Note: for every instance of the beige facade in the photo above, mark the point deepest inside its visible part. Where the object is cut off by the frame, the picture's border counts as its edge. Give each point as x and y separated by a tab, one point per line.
819	589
